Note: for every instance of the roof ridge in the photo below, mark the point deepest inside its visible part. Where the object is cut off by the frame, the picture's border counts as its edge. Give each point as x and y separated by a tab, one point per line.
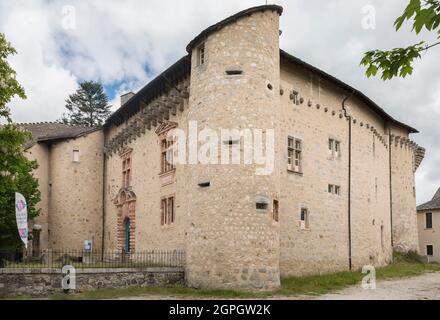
54	122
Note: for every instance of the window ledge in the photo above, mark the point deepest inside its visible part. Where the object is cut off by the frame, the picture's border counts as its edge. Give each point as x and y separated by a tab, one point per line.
168	177
167	172
295	172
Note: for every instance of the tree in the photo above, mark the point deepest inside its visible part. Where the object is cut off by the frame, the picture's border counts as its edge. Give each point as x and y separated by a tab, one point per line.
15	169
399	62
9	86
88	106
15	176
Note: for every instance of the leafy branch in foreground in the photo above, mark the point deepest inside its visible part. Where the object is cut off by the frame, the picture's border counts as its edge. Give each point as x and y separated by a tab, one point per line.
9	86
399	62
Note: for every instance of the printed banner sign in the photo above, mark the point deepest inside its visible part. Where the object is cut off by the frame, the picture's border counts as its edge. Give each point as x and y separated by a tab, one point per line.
21	216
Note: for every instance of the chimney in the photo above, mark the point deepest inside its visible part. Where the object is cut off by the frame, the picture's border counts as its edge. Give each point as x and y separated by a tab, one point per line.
126	97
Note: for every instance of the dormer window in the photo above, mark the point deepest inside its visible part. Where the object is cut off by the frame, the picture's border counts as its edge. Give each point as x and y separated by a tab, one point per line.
201	56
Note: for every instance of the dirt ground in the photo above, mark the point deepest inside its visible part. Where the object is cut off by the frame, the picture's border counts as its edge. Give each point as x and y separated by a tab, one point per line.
424	287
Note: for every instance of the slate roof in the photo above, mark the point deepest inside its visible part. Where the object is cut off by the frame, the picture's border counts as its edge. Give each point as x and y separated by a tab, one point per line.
50	131
431	205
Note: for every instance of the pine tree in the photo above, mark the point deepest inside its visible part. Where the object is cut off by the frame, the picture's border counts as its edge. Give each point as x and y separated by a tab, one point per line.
88	106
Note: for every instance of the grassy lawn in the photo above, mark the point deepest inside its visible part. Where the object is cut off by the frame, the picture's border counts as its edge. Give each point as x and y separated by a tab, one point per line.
294	286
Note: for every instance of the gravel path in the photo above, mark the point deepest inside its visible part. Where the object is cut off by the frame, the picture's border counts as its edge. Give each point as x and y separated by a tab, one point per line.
424	287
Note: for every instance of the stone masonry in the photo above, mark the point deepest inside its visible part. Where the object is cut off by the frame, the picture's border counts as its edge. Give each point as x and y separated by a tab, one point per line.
236	77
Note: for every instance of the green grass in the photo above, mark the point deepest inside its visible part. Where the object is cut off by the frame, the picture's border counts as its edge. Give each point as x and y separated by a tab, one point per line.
405	266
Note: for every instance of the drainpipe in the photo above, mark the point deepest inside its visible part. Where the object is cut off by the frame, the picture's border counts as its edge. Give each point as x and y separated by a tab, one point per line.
391	189
104	182
348	116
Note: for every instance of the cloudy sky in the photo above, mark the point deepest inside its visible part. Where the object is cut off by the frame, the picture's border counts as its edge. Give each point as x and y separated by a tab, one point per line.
124	44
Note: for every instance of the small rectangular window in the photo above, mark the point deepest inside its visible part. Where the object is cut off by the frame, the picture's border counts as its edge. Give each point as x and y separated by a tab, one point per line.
330	188
294	155
304	221
167	211
430	250
126	170
201	55
261	206
334	189
275	214
167	155
429	220
334	147
330	144
75	155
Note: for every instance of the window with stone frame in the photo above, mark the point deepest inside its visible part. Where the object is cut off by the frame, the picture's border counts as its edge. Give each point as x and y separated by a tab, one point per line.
294	155
167	154
75	156
334	189
167	209
304	219
126	170
334	147
428	220
201	54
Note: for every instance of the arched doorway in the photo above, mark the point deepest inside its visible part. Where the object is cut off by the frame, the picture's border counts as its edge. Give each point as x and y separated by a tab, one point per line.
127	232
126	208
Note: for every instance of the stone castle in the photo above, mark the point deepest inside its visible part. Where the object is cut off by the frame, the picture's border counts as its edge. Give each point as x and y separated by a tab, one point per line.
341	194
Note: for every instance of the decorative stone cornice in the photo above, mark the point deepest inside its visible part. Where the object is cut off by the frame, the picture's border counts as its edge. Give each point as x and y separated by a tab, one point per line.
157	112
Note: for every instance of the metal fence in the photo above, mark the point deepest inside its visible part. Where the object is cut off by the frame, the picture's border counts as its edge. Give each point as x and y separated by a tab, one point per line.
57	259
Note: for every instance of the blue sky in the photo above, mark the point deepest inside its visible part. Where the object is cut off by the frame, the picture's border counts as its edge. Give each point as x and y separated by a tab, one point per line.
124	44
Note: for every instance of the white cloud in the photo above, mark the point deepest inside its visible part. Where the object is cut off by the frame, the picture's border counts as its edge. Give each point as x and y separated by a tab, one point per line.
123	44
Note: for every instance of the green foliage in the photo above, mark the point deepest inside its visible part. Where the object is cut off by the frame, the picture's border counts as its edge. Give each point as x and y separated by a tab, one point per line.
88	106
15	169
407	257
426	14
15	176
399	62
9	86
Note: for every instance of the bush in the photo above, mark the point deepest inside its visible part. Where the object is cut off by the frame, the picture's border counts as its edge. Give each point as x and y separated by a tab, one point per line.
408	257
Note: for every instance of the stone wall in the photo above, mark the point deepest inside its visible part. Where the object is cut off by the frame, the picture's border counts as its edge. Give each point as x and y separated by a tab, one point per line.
148	188
231	244
318	117
405	233
75	205
36	282
71	192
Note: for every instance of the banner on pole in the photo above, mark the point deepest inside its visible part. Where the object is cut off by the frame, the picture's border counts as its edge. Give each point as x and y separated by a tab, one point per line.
21	216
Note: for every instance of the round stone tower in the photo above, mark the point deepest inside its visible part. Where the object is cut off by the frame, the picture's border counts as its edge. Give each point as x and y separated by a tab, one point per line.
233	236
